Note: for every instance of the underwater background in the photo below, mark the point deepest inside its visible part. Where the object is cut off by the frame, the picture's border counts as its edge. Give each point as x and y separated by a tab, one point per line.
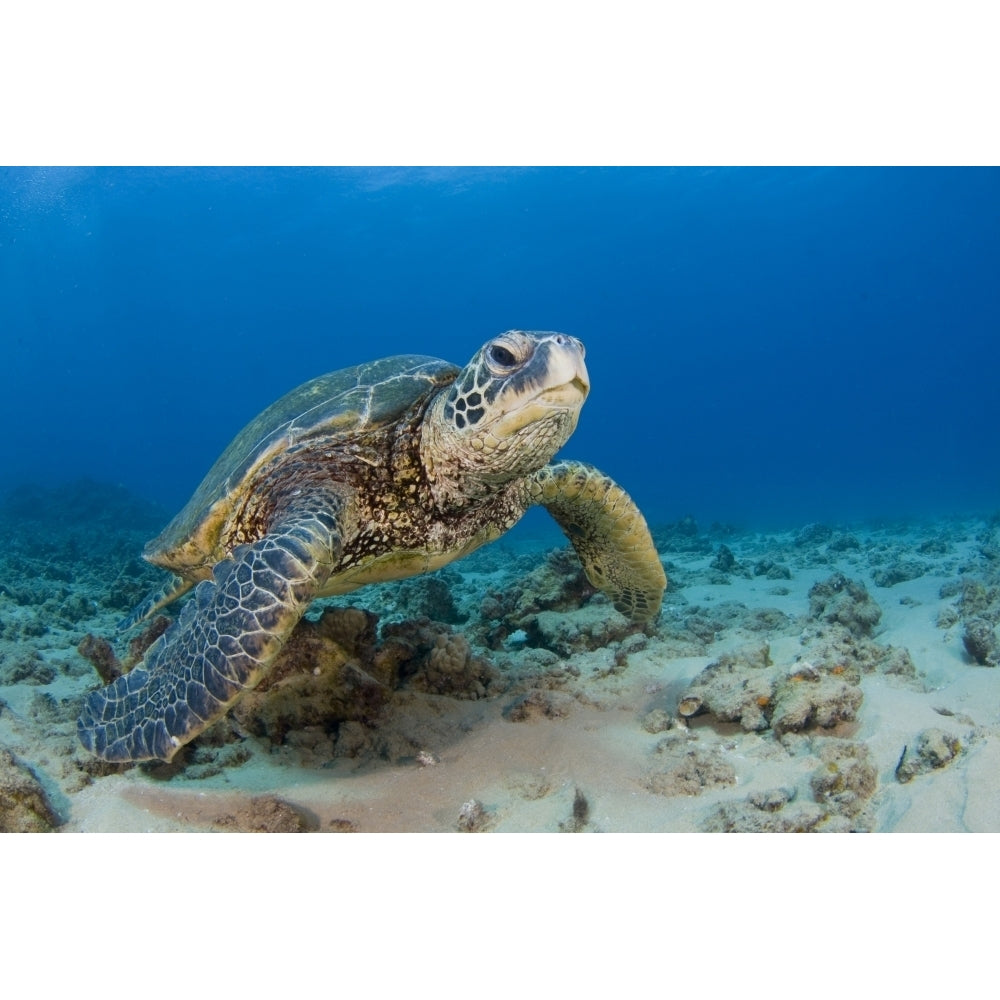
767	346
793	372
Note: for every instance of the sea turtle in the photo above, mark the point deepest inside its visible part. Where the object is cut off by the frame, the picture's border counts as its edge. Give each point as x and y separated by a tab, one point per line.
372	473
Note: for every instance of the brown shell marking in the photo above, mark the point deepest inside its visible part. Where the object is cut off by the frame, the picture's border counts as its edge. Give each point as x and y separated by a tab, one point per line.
331	407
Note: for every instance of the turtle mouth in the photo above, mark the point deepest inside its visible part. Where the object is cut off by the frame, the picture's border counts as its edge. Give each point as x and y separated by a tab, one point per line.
571	393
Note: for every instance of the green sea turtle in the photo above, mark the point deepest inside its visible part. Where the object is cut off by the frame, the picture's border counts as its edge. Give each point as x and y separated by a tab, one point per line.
372	473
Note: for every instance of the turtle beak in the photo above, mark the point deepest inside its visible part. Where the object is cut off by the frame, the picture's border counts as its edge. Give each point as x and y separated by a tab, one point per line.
572	394
567	373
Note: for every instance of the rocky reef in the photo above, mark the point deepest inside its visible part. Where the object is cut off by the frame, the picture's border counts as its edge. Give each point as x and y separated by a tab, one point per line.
794	681
24	804
976	607
842	786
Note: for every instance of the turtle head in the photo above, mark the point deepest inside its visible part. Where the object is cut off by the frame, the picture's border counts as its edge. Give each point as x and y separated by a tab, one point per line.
509	410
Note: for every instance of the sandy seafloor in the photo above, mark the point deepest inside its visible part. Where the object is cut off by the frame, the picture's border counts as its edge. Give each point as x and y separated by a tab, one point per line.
828	677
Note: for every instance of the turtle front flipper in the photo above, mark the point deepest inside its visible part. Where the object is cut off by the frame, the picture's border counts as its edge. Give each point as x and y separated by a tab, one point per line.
223	642
608	532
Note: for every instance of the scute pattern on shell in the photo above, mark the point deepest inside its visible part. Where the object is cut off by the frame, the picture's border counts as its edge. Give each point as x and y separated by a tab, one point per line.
332	406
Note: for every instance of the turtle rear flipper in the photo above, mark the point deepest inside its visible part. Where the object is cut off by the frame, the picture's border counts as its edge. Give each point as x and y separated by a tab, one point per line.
221	645
608	532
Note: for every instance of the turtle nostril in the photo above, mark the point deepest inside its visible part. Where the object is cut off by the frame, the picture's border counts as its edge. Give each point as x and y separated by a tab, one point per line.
570	343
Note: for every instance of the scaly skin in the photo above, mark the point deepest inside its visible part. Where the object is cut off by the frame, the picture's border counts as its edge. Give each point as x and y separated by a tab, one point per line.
221	645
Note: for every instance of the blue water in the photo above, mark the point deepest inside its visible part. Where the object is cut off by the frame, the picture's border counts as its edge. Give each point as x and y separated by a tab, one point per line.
767	346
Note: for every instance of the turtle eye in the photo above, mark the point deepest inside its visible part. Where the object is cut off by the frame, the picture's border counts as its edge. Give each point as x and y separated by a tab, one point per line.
500	356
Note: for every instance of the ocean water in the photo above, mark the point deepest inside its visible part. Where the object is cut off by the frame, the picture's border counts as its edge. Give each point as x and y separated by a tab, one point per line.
767	346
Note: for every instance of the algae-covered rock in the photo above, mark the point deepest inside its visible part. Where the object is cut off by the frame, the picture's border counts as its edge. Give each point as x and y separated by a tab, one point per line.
772	570
977	600
685	768
539	704
429	657
325	674
846	778
845	602
334	671
814	698
767	813
933	748
725	561
899	572
26	667
842	785
266	814
534	607
353	740
559	584
947	617
681	536
980	642
843	652
452	668
844	542
593	628
474	817
24	806
897	662
657	721
430	597
737	687
813	534
744	686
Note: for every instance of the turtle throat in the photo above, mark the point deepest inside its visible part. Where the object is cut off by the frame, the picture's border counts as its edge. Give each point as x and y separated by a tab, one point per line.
465	468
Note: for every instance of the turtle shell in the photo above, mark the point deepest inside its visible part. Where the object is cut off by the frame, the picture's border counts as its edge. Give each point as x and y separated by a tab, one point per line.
332	407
